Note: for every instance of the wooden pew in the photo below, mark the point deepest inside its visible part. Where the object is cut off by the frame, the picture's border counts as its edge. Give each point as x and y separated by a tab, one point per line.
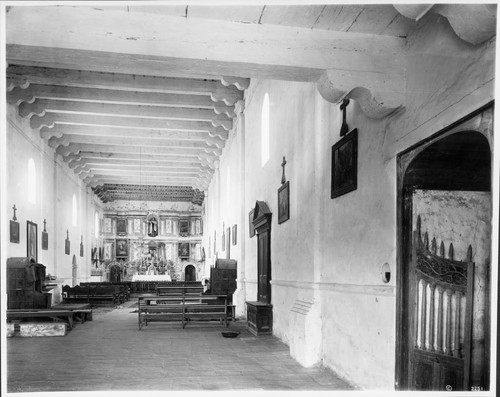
183	309
53	314
92	294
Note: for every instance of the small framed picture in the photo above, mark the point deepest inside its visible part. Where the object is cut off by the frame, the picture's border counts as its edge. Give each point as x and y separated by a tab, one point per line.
45	241
14	232
32	240
284	202
121	248
251	228
234	234
345	165
183	250
121	226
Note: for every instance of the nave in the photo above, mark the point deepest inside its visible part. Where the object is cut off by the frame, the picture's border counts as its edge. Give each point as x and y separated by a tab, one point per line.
110	353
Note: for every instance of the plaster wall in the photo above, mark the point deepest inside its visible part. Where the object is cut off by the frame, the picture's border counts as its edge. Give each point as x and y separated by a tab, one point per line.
223	212
55	186
331	252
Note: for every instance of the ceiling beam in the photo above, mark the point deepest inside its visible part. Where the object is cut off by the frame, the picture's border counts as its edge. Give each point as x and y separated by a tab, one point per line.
159	39
20	75
100	140
50	119
207	153
73	129
18	95
40	106
145	159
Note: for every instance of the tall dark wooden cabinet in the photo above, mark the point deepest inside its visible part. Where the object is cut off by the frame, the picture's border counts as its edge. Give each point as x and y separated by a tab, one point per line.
223	277
260	312
25	285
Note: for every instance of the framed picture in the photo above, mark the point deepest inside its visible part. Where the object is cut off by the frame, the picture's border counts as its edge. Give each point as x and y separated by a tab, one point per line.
14	232
228	243
345	165
234	234
251	228
32	240
121	226
45	241
183	227
223	241
284	202
121	248
67	246
183	250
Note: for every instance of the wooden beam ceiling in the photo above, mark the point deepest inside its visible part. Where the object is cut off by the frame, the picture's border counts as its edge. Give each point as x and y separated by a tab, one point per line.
139	100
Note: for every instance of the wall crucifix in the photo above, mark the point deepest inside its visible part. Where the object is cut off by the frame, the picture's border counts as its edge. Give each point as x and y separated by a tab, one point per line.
283	179
343	107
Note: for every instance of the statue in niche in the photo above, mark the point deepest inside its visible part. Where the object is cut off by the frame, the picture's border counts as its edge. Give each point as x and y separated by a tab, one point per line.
153	227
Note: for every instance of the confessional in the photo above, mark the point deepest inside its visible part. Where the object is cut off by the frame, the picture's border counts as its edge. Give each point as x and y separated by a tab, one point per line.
223	277
25	282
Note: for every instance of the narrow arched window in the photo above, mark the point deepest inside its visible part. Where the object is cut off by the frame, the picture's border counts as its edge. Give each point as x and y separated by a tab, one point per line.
228	184
96	225
264	132
31	182
75	213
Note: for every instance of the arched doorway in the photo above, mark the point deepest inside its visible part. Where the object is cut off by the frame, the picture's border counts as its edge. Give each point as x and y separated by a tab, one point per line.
115	274
189	273
74	271
444	244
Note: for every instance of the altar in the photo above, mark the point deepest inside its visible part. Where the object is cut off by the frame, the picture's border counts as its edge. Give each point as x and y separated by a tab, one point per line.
151	277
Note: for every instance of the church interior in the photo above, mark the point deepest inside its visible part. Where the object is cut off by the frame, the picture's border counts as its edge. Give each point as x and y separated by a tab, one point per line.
312	181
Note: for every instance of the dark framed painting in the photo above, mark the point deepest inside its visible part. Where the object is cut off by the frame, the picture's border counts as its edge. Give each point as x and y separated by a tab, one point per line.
345	165
183	250
183	227
14	232
67	246
251	228
121	248
45	241
215	242
284	202
121	226
228	243
234	234
32	240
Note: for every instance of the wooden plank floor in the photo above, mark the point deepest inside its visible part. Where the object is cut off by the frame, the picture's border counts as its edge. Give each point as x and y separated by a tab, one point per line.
110	353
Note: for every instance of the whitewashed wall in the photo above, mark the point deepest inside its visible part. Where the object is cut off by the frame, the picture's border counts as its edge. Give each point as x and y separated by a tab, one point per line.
330	252
55	185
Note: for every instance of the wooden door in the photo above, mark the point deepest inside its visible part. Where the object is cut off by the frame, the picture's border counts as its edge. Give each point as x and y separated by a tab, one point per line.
264	267
439	317
189	273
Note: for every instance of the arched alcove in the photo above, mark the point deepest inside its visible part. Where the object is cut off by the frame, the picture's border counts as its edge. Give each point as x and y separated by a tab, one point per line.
444	197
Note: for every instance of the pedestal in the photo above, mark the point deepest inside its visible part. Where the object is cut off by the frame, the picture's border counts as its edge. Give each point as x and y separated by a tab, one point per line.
259	318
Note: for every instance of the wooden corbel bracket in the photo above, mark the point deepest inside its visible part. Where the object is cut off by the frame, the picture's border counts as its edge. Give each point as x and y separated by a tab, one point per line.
473	23
377	98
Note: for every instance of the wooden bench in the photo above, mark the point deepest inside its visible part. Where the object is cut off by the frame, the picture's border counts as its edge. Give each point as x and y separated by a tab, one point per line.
182	308
123	287
53	314
179	290
92	294
82	311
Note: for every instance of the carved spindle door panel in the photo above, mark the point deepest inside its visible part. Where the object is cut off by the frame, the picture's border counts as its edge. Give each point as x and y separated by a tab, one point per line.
440	318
